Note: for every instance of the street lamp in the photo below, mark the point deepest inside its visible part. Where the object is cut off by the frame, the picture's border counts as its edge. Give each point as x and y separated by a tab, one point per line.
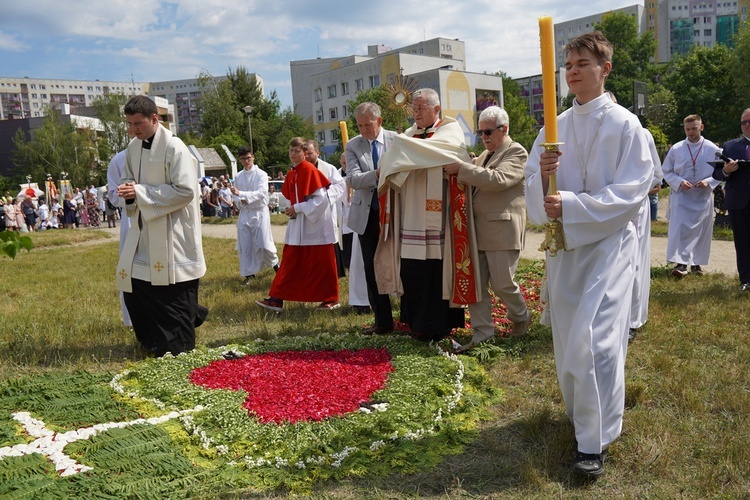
248	110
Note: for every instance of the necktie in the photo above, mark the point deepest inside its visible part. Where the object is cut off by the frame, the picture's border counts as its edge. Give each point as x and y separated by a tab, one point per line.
375	157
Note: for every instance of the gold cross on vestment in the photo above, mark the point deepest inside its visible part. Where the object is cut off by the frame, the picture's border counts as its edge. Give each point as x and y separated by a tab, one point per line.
158	266
123	274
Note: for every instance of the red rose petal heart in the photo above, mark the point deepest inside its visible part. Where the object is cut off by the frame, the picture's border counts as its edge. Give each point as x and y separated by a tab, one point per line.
293	386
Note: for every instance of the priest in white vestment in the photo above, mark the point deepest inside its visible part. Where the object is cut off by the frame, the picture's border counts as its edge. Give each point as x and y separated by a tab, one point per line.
604	171
255	245
691	211
162	258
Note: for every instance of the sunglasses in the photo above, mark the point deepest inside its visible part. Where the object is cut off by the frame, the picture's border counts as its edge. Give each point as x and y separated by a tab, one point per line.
488	131
745	122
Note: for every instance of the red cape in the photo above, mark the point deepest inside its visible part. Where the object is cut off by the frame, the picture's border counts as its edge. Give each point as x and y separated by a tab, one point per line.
303	180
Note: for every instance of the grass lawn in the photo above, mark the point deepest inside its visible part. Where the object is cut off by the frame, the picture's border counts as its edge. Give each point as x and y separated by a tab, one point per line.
686	430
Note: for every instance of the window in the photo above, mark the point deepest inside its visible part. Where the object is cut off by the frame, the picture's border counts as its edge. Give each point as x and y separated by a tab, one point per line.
318	95
90	88
33	96
36	105
334	113
33	86
696	32
331	91
344	111
707	32
44	96
359	82
42	87
374	81
322	137
319	115
344	88
707	19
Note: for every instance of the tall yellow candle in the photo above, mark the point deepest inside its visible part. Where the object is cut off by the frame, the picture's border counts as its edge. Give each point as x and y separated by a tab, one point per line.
344	133
547	39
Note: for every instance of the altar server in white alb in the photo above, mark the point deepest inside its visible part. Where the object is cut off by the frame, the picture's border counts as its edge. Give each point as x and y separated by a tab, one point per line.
162	259
604	171
255	245
642	282
115	170
691	212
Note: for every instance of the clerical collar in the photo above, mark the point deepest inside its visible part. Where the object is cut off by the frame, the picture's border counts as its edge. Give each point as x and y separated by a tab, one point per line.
148	142
424	132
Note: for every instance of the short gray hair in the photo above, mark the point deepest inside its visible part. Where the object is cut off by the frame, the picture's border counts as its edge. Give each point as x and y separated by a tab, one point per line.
429	95
367	109
495	114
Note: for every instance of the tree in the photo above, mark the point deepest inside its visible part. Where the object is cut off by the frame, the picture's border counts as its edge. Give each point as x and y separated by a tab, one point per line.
523	126
740	65
701	84
631	57
57	147
224	120
109	110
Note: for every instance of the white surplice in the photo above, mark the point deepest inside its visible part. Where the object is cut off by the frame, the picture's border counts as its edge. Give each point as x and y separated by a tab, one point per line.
691	211
255	245
590	286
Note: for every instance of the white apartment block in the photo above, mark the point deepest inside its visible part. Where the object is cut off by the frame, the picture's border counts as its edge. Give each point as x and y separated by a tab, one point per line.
321	88
23	97
531	90
677	24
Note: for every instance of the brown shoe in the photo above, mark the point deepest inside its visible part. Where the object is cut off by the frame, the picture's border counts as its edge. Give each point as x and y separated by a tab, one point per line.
521	328
378	330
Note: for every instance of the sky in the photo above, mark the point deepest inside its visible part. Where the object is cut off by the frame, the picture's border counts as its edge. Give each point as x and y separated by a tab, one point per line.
146	41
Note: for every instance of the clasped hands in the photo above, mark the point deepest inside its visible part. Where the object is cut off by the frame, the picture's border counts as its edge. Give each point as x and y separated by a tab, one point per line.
126	191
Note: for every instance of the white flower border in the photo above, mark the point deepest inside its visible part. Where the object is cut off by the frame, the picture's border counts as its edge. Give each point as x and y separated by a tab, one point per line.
334	459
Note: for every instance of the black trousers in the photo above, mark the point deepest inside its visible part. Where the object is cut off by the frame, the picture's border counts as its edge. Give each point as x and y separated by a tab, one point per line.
380	303
740	221
164	317
422	304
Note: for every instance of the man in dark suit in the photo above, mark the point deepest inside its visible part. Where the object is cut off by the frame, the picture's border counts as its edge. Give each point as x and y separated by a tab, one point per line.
496	181
737	197
362	154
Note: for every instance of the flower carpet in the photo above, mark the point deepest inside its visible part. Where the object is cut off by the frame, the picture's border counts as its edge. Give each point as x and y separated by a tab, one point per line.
279	415
283	413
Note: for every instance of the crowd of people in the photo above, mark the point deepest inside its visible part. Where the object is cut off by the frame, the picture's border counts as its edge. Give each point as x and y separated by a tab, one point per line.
29	213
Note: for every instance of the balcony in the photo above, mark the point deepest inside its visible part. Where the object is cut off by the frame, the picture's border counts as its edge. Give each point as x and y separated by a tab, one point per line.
537	91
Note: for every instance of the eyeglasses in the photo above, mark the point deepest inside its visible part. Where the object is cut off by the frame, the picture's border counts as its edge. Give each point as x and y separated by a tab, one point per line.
745	122
420	108
245	158
488	131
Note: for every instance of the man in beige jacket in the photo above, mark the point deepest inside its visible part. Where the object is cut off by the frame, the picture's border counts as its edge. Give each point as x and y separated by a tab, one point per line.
496	184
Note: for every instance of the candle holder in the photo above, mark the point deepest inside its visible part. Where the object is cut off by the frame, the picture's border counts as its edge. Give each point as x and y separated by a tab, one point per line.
554	238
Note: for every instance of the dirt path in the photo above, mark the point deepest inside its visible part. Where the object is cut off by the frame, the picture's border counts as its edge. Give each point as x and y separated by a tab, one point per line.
722	252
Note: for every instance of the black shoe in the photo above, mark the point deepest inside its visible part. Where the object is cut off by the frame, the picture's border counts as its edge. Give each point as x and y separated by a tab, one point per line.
247	279
631	335
696	270
362	309
679	271
276	268
590	464
745	287
201	316
378	330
